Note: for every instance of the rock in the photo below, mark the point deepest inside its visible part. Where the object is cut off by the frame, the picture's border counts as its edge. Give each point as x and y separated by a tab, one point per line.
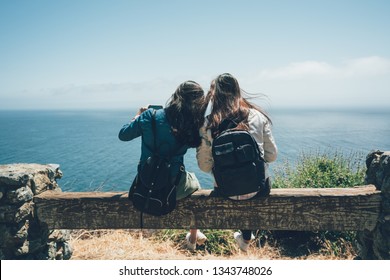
56	172
13	214
40	177
59	235
22	236
64	251
13	235
51	250
384	173
40	183
4	255
376	244
22	233
7	212
13	175
378	170
20	195
67	251
372	163
36	246
23	249
5	236
24	212
2	192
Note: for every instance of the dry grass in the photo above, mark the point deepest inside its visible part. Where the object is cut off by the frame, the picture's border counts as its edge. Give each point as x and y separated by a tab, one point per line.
152	245
118	245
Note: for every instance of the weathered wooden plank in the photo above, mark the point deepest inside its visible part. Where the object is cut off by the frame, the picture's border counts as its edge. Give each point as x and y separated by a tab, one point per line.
285	209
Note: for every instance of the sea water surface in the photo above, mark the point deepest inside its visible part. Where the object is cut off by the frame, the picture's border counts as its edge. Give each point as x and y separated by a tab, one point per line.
86	146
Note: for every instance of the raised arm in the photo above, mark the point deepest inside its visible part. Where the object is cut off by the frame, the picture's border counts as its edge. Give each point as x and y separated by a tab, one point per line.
133	129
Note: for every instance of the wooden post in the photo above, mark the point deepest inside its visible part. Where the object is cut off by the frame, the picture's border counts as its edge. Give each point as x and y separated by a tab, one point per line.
375	244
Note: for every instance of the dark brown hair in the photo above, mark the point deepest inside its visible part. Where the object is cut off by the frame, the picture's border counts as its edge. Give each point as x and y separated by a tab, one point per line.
185	113
228	103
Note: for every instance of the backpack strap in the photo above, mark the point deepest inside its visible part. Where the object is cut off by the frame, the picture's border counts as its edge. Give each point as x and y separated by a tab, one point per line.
154	132
154	151
153	122
178	176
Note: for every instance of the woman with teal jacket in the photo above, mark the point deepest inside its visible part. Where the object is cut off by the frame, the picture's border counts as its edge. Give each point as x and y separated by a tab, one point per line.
177	129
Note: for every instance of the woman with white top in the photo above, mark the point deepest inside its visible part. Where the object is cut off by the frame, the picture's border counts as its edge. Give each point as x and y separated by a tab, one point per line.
227	102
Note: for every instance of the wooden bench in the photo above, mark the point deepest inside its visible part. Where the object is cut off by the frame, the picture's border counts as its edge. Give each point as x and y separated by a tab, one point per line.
337	209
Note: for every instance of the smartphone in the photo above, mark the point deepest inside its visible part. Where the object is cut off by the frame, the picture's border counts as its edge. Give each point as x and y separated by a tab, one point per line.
155	107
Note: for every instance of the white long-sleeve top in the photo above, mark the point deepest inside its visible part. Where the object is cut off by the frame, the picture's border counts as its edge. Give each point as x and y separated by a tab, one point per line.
259	128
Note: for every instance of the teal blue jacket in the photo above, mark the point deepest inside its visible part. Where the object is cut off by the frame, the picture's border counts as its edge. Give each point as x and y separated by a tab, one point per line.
167	144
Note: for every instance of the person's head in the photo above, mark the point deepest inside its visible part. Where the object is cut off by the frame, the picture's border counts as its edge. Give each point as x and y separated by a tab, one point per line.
225	92
228	103
185	112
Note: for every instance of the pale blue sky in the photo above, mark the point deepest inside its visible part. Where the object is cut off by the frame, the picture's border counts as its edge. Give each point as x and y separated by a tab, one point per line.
79	54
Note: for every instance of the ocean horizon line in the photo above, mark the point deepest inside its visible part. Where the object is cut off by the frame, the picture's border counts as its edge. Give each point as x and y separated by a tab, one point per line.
273	108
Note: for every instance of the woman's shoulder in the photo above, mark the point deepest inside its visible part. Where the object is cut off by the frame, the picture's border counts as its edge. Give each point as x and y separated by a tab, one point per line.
148	114
160	114
257	117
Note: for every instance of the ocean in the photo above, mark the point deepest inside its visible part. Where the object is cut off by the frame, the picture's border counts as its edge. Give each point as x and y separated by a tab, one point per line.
86	146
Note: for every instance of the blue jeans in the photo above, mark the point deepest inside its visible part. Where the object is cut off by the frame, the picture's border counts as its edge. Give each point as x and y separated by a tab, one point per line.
247	233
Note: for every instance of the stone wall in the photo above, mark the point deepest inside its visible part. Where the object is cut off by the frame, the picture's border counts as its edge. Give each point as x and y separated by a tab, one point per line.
376	244
21	236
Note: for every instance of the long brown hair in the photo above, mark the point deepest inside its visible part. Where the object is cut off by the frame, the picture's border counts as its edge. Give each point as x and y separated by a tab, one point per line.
228	103
185	113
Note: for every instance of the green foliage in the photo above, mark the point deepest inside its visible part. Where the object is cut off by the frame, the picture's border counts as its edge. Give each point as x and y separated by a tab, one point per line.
337	243
219	242
321	170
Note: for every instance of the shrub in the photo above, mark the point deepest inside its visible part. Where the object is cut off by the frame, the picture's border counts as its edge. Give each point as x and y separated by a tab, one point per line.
321	170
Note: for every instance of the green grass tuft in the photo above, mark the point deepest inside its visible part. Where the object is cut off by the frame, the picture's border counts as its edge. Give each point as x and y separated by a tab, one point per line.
219	242
321	170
